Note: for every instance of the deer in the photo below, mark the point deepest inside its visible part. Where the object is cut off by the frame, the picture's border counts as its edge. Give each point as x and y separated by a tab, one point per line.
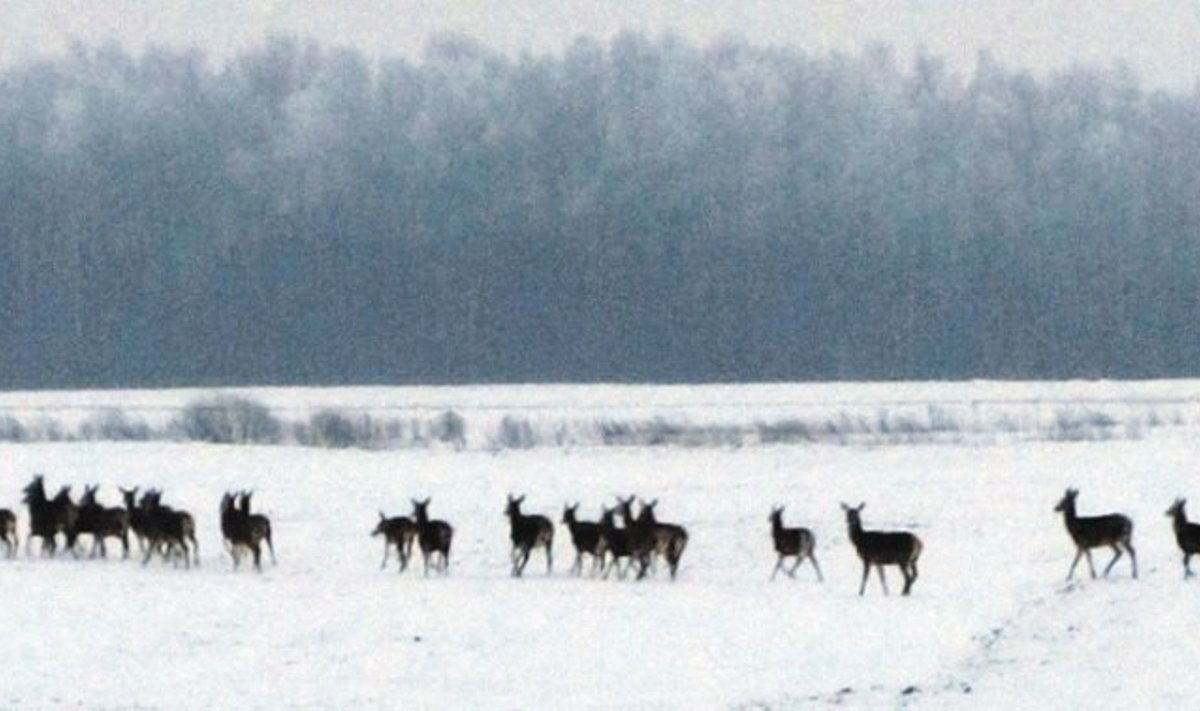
1088	532
880	548
433	536
168	531
616	544
1187	534
648	537
48	517
527	533
243	531
8	532
138	519
795	542
398	531
102	522
586	537
259	523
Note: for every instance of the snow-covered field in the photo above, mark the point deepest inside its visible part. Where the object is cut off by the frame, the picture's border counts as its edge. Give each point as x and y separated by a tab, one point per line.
990	622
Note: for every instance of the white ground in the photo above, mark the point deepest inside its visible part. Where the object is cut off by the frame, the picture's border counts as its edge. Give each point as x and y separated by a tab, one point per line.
990	623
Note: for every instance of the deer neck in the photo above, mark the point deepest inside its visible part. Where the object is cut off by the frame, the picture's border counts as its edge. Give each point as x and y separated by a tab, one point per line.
856	531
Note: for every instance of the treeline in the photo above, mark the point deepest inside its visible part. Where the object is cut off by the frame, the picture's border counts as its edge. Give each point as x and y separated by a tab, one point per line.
646	210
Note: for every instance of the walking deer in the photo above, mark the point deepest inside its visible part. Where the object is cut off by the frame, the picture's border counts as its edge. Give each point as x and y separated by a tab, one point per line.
8	532
1088	532
168	531
398	531
586	537
794	542
433	537
648	537
1187	534
527	533
102	522
880	548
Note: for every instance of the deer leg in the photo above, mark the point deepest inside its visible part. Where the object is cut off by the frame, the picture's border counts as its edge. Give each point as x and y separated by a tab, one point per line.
866	571
778	565
1115	558
550	559
882	580
125	545
813	558
910	576
1132	558
1078	555
795	567
1187	571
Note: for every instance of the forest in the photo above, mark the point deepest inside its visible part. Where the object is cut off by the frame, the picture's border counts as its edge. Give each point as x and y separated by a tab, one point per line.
639	210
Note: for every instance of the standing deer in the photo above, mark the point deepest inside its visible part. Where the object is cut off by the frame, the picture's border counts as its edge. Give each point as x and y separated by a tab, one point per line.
586	537
880	548
1187	534
49	517
138	518
795	542
667	539
433	537
259	524
1088	532
242	530
616	545
527	533
8	531
398	531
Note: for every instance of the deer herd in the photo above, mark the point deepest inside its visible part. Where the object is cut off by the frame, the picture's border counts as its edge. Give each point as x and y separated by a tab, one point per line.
633	548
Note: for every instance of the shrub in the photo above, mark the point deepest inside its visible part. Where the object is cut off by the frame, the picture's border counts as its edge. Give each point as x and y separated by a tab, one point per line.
227	419
450	428
11	430
113	424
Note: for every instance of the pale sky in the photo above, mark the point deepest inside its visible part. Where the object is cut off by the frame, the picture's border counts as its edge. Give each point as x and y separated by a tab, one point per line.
1158	38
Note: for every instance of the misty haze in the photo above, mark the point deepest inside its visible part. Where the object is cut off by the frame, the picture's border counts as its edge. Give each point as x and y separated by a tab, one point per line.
645	209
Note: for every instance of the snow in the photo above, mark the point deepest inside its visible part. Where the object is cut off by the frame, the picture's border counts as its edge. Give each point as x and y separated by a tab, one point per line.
991	621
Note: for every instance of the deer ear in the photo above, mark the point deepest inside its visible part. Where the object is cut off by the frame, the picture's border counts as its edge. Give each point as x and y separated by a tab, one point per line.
861	506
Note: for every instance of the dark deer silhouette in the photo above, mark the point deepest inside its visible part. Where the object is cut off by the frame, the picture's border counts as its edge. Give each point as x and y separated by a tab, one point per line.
1187	534
258	523
797	543
433	536
168	531
639	535
48	517
616	544
587	539
243	531
880	548
1088	532
669	539
648	537
527	533
138	518
101	522
398	531
8	531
